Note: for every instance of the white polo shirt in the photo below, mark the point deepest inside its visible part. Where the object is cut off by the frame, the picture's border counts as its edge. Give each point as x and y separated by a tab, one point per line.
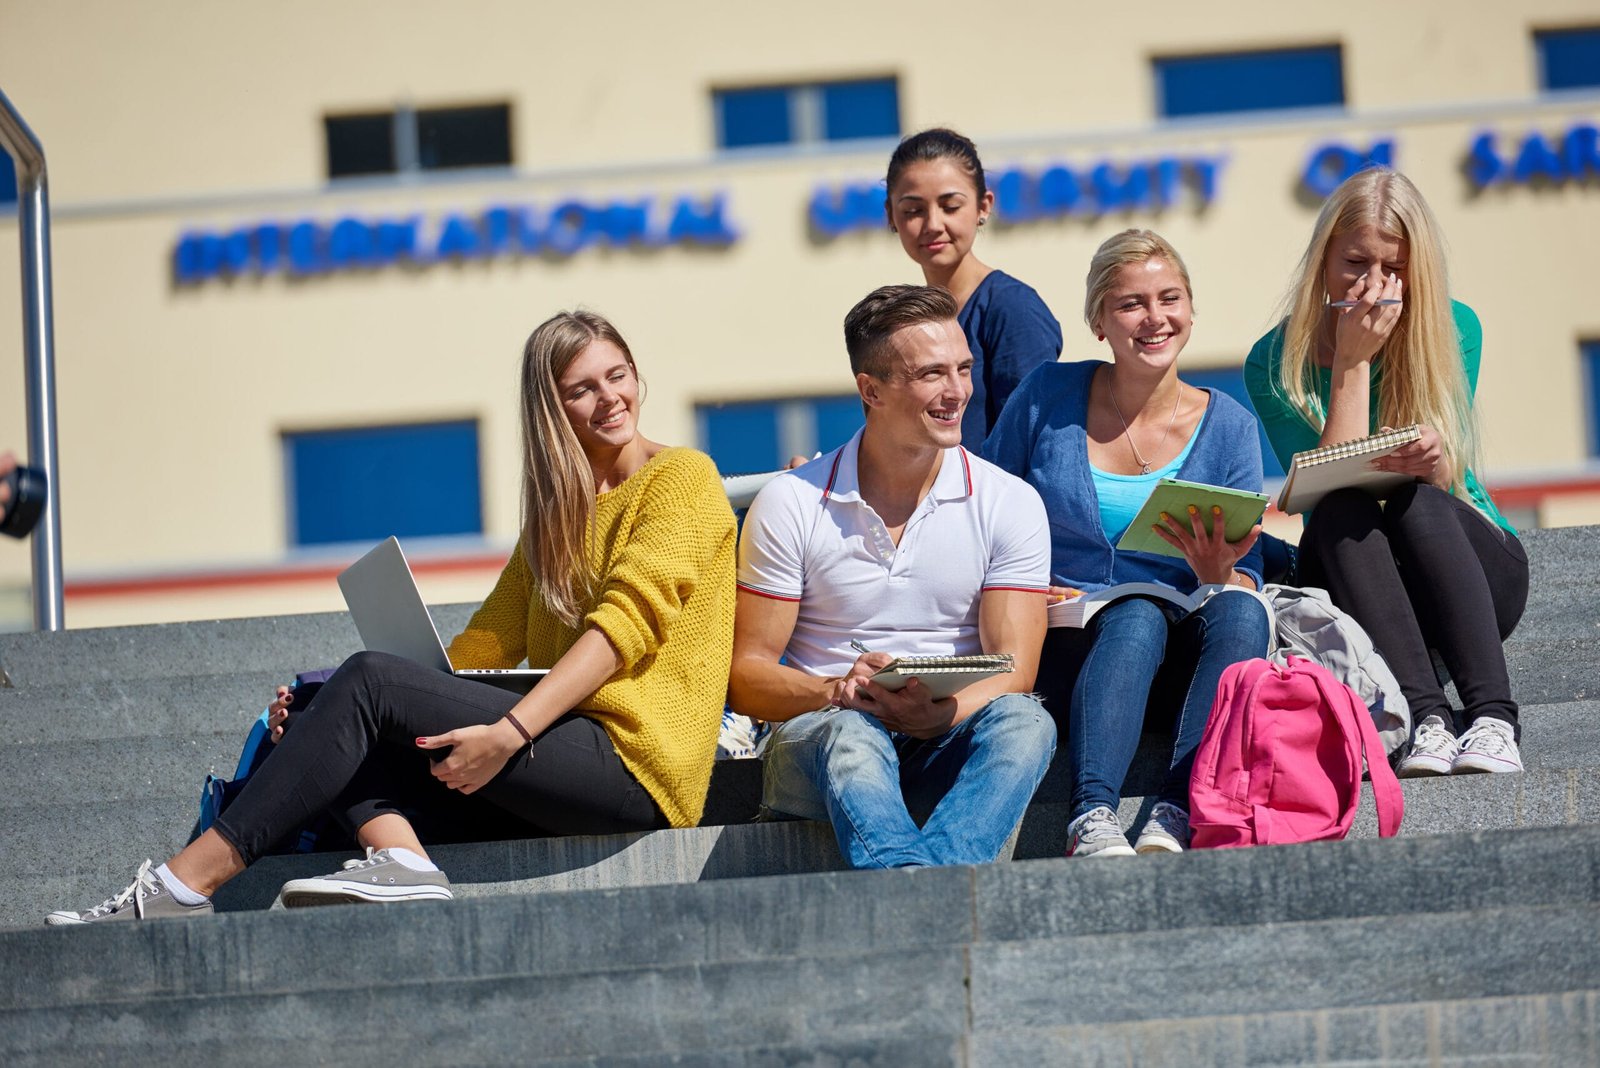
810	538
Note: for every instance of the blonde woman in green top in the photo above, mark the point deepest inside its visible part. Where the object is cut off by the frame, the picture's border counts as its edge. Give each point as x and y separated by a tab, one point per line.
1434	566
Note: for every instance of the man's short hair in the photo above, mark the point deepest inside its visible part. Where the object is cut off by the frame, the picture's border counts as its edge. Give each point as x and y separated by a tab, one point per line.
877	316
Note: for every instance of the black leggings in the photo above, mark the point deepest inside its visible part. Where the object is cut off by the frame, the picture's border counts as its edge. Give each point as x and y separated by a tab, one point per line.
352	753
1426	570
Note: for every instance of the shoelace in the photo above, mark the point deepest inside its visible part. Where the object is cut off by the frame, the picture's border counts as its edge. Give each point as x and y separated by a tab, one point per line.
364	862
1431	737
1171	818
1099	824
1490	741
141	879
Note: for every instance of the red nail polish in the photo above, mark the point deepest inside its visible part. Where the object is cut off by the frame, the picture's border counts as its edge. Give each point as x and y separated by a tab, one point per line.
420	741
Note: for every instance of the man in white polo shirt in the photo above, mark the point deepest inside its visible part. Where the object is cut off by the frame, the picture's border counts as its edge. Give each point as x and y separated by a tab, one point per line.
904	542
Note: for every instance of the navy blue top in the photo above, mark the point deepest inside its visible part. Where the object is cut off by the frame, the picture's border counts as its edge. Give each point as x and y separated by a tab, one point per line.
1041	438
1010	332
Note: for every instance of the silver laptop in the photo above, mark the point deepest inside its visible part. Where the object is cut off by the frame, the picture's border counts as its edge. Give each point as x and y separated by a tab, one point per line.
391	618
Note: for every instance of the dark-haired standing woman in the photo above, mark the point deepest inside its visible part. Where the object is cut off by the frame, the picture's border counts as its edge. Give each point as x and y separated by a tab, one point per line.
937	202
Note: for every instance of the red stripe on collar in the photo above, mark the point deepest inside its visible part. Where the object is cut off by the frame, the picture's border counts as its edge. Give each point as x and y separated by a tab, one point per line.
832	476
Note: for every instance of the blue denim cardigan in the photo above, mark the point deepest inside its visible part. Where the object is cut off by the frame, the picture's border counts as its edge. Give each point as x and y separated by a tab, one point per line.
1040	437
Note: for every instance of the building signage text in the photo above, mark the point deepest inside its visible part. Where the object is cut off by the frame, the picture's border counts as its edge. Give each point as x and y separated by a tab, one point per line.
303	247
1025	195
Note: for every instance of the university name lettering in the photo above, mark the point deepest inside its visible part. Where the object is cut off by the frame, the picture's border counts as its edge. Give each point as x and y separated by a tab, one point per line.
1570	156
350	243
1027	195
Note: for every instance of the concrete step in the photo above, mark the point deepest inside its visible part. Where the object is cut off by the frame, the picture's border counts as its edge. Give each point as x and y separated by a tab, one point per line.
88	854
135	708
882	963
1553	1030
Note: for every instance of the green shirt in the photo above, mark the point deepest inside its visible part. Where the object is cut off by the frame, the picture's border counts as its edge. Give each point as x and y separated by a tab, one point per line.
1288	431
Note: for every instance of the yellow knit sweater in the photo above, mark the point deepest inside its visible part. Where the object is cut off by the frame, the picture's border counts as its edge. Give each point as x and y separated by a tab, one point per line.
663	546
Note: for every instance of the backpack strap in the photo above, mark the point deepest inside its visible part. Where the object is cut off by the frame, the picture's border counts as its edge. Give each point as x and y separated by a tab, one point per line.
1358	726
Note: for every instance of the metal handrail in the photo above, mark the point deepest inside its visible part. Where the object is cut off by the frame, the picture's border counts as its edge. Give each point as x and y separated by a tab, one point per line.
38	351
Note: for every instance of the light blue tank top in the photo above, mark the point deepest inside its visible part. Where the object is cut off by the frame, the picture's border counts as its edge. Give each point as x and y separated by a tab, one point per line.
1121	496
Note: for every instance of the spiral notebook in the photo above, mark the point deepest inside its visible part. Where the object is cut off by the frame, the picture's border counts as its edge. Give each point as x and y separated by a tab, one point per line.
943	675
1318	472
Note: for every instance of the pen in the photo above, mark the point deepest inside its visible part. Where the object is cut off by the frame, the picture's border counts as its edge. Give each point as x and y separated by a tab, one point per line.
858	647
1353	303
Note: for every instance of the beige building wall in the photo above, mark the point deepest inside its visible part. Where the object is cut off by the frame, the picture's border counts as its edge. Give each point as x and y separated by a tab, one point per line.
162	117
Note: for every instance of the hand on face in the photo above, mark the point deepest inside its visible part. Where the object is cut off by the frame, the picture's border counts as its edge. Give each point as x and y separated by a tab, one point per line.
1364	265
1210	554
1361	330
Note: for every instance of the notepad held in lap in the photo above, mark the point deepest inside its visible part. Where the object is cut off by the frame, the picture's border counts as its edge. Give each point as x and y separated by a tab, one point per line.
1346	465
943	675
1241	510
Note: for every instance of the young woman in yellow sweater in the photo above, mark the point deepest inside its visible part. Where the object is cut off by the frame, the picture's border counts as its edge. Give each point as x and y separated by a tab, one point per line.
623	582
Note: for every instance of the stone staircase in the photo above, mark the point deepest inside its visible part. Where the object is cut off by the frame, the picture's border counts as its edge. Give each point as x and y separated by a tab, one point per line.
1473	938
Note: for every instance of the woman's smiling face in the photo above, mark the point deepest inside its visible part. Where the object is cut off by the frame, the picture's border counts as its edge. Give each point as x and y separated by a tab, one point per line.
600	392
1147	314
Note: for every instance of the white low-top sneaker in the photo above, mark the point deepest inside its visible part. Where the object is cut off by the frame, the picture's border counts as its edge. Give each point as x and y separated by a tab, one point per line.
1488	745
1433	751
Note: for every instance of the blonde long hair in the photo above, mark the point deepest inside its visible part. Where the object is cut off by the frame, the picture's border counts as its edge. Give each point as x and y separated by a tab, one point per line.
1422	377
557	482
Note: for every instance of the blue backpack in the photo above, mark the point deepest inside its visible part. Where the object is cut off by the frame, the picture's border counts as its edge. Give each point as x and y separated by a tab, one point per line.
218	793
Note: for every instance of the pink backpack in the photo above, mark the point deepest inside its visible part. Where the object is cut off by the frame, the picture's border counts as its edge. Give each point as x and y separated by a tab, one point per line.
1282	757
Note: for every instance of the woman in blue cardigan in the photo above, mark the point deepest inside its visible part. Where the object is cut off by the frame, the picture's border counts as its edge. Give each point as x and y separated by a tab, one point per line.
1094	438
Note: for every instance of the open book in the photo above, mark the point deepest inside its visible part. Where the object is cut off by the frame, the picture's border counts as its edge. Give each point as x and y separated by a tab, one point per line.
1241	510
944	675
1078	611
1346	465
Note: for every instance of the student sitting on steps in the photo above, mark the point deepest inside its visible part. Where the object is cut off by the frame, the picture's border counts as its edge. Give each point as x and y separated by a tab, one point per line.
903	543
623	582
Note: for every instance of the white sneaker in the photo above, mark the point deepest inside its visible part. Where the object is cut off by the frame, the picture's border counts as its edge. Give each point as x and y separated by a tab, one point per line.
1433	751
1488	745
1097	833
1166	831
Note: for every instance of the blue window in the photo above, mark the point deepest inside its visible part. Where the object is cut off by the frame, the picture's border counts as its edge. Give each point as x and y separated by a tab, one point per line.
861	109
8	179
748	117
1230	380
1568	59
1250	81
1589	353
807	113
366	483
749	436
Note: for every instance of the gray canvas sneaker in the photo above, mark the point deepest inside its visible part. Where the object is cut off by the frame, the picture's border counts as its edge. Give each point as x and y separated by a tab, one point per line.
146	898
378	877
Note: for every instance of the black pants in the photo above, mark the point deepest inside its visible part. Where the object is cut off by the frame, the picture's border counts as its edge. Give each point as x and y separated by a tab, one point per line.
352	752
1426	570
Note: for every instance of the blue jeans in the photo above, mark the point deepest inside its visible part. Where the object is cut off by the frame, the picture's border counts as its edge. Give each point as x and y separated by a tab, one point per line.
974	781
1132	662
